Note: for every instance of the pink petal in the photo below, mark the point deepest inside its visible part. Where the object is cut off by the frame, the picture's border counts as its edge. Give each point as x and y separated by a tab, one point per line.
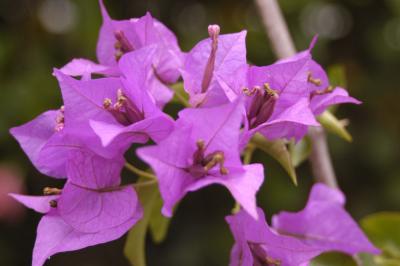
55	236
325	224
37	203
90	211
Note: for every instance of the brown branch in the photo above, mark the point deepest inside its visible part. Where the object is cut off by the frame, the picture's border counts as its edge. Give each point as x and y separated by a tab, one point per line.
283	46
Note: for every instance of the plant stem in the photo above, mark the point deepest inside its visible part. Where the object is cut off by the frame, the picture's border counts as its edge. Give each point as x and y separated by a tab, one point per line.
145	184
139	172
320	159
283	47
248	153
276	28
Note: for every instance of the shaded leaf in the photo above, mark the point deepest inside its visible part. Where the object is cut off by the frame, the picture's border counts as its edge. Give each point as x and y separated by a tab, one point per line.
383	230
334	125
279	151
135	244
158	223
300	151
371	260
333	259
367	259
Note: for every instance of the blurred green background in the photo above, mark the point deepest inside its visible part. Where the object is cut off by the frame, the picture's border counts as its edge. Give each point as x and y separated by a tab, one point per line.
362	35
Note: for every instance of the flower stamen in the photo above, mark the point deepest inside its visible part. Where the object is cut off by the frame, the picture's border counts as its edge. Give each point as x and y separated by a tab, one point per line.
250	92
214	159
60	119
260	256
327	90
49	191
316	82
202	163
122	45
271	92
213	32
124	111
262	105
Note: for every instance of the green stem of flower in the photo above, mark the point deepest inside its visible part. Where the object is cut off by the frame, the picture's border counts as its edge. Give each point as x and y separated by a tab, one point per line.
139	172
145	184
248	153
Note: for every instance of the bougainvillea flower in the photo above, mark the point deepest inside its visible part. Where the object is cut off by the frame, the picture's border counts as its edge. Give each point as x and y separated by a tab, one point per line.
296	238
324	223
91	209
214	66
117	38
137	68
46	143
277	103
321	93
202	150
109	114
85	68
256	244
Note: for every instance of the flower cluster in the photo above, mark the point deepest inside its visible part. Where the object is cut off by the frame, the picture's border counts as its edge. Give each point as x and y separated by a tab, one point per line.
109	105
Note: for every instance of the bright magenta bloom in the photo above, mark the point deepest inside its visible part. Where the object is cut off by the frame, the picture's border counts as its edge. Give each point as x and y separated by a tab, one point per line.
214	67
91	209
119	37
296	238
324	223
202	150
109	114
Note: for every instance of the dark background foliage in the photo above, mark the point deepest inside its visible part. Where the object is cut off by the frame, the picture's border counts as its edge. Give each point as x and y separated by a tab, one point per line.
362	35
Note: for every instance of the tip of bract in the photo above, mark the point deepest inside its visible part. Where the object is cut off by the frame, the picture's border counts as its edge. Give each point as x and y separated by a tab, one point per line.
313	42
103	10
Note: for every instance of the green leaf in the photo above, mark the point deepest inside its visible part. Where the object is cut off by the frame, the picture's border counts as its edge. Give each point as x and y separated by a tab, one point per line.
180	95
135	244
383	230
337	76
158	223
334	125
333	259
300	151
372	260
367	259
383	261
279	151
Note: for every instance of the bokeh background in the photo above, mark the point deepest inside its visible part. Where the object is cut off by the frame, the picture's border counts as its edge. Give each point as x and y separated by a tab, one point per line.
361	35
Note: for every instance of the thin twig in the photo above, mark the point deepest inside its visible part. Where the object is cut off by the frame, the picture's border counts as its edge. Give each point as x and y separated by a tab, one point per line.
139	172
320	159
276	27
283	46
